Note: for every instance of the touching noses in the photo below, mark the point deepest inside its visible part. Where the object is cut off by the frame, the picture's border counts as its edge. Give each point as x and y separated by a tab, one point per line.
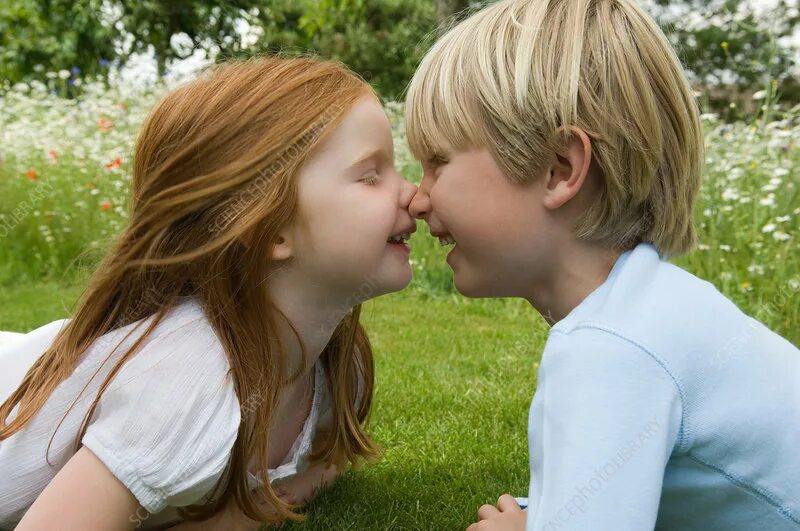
420	204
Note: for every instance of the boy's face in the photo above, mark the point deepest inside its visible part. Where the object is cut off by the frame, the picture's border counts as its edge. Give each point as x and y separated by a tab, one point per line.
500	228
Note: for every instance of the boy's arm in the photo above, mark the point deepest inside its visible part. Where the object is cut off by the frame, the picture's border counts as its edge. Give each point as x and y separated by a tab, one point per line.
602	428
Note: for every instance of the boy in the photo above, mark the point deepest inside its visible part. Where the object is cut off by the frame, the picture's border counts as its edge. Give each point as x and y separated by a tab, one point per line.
562	154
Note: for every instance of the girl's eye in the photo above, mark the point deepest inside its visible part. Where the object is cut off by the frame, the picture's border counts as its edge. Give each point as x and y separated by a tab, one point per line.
372	178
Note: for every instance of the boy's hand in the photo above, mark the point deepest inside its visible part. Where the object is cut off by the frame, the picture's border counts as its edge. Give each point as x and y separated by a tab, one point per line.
507	516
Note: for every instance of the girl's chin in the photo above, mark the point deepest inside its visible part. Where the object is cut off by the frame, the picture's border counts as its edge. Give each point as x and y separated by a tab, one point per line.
396	280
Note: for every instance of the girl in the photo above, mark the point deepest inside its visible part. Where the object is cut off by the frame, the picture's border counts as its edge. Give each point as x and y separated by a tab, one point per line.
217	348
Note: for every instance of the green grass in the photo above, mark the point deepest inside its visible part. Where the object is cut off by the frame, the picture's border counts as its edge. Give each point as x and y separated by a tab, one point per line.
454	378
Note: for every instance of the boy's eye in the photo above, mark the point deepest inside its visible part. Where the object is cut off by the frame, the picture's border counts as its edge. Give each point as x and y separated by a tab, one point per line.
437	159
371	178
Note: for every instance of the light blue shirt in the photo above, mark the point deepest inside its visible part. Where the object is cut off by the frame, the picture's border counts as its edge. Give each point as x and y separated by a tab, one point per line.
661	405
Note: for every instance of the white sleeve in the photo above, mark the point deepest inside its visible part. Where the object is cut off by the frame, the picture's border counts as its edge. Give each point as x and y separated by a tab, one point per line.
167	422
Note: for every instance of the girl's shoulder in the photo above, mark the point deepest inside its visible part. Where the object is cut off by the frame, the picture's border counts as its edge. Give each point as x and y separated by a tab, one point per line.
168	420
183	343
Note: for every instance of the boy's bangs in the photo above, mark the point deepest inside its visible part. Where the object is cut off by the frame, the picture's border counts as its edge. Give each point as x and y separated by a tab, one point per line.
440	110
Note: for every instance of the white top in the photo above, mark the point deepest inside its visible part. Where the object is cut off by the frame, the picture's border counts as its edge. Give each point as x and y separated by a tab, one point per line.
164	426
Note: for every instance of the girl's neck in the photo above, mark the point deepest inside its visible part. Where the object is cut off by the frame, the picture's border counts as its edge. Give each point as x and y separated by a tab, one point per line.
313	312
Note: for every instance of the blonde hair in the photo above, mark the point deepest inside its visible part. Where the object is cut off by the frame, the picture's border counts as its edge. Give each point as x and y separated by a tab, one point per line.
508	77
216	164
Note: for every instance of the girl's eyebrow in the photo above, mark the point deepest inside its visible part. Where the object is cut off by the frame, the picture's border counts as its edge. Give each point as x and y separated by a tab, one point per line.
372	155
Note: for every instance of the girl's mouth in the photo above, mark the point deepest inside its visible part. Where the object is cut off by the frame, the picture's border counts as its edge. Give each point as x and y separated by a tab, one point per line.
398	241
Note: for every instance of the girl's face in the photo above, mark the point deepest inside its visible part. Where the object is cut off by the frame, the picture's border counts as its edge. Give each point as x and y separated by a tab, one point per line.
352	201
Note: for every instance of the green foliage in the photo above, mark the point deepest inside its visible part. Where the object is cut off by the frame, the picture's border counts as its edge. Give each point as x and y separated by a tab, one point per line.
730	51
383	40
37	36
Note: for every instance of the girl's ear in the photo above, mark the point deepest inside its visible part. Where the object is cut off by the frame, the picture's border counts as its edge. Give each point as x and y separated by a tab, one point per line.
281	249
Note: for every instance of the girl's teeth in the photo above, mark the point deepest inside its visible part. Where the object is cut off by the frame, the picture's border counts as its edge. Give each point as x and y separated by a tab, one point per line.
446	240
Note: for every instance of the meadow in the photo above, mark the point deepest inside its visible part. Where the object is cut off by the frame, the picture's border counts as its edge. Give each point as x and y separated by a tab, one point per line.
454	376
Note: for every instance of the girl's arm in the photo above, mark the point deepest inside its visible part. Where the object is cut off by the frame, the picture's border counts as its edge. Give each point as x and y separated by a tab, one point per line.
298	490
83	495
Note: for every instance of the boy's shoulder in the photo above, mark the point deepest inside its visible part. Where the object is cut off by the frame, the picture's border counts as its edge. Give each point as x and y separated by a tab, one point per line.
646	298
665	311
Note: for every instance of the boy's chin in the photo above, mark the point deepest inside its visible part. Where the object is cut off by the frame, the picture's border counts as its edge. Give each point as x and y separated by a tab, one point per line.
470	287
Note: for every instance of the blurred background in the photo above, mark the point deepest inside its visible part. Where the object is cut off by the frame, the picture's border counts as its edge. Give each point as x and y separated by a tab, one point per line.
733	49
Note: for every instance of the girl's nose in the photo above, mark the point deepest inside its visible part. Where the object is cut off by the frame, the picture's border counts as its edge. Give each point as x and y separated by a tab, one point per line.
409	191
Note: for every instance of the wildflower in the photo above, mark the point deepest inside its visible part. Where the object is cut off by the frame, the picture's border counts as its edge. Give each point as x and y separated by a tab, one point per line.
105	205
703	247
746	286
760	95
104	124
755	269
769	227
103	62
114	164
780	172
52	156
780	236
94	191
75	70
726	275
63	74
794	284
729	194
783	219
32	174
767	201
726	248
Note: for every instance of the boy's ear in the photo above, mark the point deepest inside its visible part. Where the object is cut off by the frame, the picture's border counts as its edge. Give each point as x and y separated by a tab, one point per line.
567	172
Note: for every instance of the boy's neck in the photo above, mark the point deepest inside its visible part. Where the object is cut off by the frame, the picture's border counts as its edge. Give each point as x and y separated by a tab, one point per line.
576	270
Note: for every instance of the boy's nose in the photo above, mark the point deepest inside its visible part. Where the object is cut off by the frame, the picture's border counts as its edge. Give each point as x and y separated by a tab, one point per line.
420	204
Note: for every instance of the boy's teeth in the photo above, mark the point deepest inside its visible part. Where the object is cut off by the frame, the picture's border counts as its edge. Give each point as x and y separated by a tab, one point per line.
446	240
